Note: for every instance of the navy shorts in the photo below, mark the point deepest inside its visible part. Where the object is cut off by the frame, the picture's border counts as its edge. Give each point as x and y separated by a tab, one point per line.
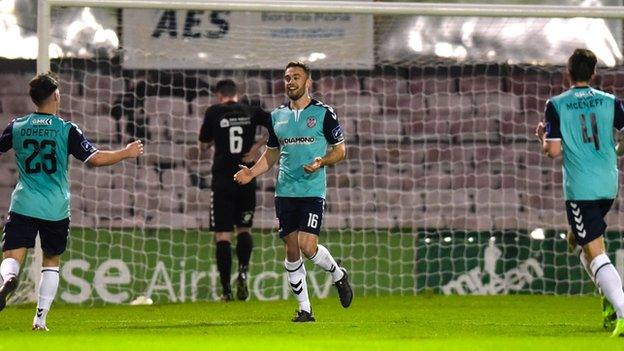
586	219
21	231
299	214
231	205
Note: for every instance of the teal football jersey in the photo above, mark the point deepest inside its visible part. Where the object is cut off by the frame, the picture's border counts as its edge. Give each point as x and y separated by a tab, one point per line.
42	145
583	119
302	135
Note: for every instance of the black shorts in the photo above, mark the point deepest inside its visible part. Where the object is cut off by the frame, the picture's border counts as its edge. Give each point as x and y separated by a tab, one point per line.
21	231
586	219
231	205
299	213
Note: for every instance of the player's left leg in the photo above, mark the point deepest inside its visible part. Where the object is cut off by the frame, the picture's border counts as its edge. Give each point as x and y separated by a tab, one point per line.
321	257
244	246
48	285
246	207
53	243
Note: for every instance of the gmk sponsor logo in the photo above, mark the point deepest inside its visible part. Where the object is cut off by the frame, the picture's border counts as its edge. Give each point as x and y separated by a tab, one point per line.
113	281
487	281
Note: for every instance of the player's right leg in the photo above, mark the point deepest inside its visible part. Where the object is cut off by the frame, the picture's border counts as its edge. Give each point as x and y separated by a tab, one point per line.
287	215
19	235
9	270
606	275
586	219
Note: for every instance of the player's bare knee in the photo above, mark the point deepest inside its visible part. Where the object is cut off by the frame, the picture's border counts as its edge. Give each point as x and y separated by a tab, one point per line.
50	260
16	254
308	249
594	248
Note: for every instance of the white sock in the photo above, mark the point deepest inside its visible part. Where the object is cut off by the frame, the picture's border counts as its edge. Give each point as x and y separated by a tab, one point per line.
324	259
609	281
9	267
47	291
297	279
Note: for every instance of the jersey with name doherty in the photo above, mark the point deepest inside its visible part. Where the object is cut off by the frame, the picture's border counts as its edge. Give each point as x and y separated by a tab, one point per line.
232	127
42	145
583	119
302	135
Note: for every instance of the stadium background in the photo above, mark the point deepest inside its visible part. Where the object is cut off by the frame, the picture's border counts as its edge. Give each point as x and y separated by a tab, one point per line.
444	188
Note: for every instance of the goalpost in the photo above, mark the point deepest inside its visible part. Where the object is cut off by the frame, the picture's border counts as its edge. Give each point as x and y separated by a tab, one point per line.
444	187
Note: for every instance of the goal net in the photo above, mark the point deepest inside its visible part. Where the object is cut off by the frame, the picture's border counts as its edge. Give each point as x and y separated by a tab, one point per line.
444	188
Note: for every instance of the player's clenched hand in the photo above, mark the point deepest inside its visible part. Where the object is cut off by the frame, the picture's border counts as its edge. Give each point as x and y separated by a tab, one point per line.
243	176
135	149
540	130
314	166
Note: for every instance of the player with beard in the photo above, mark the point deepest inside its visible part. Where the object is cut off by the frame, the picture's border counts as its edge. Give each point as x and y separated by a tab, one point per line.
305	136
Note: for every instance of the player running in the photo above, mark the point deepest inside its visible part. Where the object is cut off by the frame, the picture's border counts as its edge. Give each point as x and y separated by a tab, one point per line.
40	203
299	135
580	125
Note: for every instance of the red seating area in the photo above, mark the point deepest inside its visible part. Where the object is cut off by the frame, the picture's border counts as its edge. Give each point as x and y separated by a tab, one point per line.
427	150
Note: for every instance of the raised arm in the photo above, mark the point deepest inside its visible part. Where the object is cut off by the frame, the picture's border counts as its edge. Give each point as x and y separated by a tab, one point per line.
107	158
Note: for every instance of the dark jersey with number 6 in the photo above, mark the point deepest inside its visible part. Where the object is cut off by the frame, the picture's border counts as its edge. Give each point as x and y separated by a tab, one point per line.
42	145
232	126
584	119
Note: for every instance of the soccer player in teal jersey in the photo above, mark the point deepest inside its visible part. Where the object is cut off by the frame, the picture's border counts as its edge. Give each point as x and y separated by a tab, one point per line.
300	133
580	126
42	142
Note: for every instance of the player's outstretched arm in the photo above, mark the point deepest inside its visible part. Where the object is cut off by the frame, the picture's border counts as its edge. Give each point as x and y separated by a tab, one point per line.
107	158
265	162
335	155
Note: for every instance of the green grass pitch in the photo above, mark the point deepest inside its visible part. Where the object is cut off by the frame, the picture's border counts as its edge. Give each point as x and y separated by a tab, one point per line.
519	322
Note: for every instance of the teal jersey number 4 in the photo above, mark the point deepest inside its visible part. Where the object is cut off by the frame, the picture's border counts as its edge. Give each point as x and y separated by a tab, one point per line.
42	145
302	135
583	119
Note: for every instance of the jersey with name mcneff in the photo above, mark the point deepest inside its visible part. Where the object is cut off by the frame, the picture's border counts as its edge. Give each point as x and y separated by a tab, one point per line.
583	119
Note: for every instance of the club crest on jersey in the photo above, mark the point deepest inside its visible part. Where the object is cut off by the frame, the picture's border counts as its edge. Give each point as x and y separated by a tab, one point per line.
41	122
311	122
225	123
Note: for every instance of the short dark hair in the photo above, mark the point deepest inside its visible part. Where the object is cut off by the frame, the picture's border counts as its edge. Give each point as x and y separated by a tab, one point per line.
582	65
42	86
226	87
301	65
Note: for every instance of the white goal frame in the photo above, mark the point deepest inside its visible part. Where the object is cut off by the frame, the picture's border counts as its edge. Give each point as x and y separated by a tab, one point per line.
353	7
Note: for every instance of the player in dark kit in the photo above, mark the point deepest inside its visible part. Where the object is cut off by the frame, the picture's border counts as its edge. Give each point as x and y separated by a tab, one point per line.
231	127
